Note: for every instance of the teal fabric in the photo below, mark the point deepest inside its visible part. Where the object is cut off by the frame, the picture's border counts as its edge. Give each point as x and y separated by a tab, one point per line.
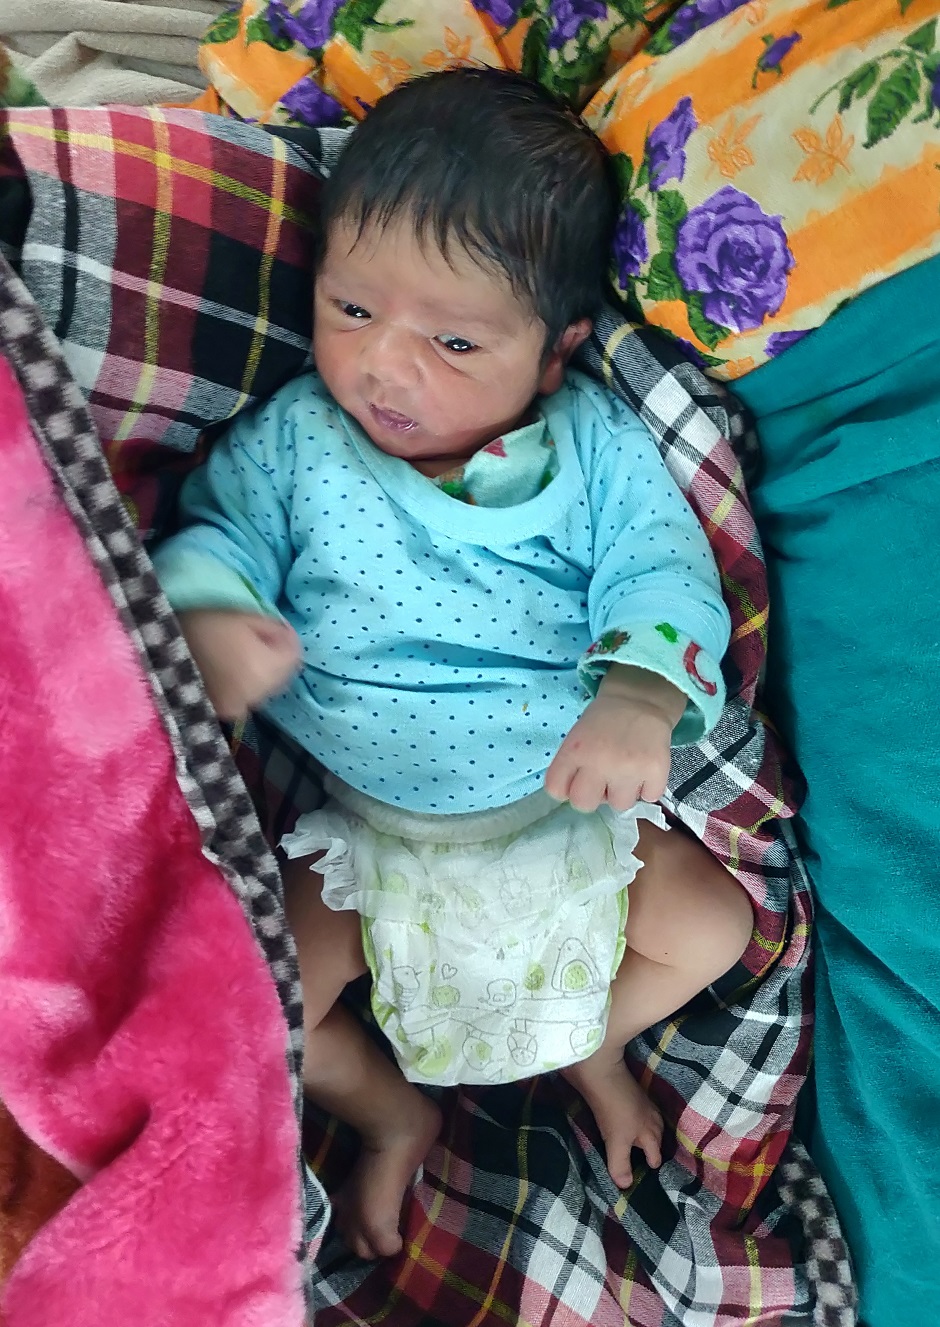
849	509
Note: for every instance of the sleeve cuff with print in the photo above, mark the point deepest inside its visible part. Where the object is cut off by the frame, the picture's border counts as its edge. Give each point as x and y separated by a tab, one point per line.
671	654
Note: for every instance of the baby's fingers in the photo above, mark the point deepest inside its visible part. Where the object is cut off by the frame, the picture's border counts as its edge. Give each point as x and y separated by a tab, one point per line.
558	777
656	780
588	789
623	794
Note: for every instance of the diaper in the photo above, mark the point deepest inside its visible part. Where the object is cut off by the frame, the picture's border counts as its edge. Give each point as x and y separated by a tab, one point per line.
491	957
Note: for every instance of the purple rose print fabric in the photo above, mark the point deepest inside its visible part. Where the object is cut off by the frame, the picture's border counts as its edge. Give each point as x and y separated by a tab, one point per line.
503	12
666	144
307	102
729	251
631	249
693	17
781	341
311	27
568	16
732	125
777	50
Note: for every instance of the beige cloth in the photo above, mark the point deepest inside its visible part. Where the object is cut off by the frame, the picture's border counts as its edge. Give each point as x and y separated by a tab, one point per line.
95	52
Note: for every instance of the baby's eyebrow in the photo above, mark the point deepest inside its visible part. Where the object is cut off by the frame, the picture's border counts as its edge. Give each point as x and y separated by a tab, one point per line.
466	318
446	316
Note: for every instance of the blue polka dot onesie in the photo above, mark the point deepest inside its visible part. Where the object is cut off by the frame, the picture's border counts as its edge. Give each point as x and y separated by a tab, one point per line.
449	648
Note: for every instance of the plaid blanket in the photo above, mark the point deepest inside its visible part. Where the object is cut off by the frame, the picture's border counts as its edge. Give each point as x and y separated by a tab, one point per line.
169	253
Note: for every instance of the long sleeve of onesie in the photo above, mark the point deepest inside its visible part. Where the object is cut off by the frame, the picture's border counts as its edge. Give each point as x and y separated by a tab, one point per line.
654	600
235	549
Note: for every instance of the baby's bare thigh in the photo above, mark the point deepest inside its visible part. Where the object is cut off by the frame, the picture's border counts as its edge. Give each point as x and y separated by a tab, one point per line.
329	943
683	897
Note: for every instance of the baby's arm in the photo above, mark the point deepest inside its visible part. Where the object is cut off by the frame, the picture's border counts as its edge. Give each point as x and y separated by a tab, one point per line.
224	572
657	615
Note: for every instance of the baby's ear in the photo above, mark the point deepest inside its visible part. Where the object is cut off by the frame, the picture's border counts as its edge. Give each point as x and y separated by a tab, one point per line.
554	371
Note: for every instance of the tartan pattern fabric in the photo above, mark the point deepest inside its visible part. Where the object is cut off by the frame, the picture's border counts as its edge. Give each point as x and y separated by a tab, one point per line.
137	219
158	246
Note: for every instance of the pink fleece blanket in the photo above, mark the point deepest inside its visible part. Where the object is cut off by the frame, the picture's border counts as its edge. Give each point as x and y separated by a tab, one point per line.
156	1077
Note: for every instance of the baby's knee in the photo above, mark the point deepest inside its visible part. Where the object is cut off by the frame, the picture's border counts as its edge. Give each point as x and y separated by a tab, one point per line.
685	893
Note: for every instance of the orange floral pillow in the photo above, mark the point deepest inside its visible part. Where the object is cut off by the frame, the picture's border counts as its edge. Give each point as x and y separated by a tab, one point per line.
775	157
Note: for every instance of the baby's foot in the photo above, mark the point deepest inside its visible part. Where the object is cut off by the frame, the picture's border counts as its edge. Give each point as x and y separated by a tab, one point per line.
625	1115
368	1207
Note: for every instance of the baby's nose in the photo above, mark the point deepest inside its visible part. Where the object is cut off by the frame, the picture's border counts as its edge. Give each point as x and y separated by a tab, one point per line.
392	359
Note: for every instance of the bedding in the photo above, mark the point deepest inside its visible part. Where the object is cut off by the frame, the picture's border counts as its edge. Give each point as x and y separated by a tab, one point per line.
87	52
158	283
774	157
848	506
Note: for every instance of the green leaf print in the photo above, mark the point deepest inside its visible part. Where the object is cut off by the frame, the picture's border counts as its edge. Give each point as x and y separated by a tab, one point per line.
608	105
570	76
662	281
894	100
535	51
924	39
259	29
905	5
837	4
623	172
709	333
931	69
661	42
223	28
667	630
566	73
670	214
633	11
640	207
352	20
858	84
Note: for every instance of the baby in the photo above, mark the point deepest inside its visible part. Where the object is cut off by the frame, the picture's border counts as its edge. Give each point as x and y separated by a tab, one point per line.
462	578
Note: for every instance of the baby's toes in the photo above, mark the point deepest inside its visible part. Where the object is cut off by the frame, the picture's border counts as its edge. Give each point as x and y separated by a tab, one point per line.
650	1140
619	1167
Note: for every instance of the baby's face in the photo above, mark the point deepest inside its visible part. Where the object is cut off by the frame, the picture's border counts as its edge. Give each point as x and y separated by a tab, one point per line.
433	358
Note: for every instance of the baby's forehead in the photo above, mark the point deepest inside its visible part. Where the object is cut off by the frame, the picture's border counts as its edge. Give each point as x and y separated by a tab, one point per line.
445	273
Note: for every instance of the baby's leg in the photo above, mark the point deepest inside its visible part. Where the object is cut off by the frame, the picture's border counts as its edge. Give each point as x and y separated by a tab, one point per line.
689	921
347	1074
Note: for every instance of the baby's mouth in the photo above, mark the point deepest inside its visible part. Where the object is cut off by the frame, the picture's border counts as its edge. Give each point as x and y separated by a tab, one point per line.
392	420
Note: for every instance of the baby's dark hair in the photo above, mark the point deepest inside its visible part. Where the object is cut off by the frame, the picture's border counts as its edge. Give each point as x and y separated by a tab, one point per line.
487	161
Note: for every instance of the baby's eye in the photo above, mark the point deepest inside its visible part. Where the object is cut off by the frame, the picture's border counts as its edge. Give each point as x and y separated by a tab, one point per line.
353	310
457	345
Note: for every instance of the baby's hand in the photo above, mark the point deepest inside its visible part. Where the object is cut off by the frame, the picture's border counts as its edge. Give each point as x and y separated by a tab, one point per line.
243	657
619	750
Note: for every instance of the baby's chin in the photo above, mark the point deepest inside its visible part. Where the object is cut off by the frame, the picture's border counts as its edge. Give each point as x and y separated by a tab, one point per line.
425	451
